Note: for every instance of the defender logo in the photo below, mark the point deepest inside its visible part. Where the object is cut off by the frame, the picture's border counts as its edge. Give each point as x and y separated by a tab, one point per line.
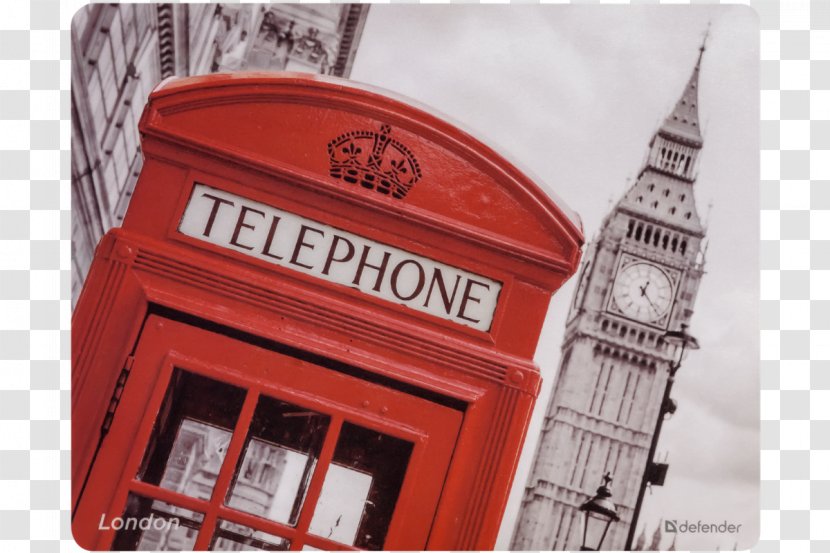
686	527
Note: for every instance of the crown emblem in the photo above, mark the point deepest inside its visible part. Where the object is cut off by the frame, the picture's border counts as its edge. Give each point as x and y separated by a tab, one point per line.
374	161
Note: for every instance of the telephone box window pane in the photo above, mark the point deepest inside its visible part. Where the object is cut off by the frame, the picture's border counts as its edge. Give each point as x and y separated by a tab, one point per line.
361	488
281	451
191	435
153	525
230	536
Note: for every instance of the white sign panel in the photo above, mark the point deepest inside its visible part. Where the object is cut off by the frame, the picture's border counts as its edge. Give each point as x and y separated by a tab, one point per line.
334	255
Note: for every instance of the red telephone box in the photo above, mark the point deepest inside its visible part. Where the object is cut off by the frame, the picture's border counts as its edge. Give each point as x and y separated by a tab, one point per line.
315	328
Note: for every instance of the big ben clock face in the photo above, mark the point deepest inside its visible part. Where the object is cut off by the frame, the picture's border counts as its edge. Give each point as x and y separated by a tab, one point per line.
643	291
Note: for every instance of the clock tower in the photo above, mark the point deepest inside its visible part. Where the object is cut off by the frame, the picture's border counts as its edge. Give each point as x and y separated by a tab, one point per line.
639	279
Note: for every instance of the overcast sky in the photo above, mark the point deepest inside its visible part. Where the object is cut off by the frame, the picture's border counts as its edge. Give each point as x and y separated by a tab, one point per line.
574	94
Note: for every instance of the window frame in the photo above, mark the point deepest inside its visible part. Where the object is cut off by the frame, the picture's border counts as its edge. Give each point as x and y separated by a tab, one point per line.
432	429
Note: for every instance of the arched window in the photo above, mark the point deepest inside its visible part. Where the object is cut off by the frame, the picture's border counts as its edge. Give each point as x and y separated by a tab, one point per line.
651	187
665	241
666	192
683	247
672	210
639	233
647	236
604	326
630	228
657	237
641	338
674	244
688	215
682	197
639	199
654	204
688	160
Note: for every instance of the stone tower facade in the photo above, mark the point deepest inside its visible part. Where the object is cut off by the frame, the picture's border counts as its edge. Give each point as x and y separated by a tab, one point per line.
639	279
121	51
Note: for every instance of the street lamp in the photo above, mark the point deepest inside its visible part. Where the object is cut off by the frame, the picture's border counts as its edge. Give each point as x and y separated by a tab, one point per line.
599	513
683	342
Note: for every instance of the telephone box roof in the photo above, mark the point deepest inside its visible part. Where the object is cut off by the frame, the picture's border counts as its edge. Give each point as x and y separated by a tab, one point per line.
292	119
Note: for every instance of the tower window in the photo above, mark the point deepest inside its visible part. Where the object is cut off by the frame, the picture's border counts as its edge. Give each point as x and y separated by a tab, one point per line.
686	170
639	199
651	187
639	233
665	241
630	228
682	197
688	215
683	247
672	210
674	244
647	236
657	237
654	204
666	192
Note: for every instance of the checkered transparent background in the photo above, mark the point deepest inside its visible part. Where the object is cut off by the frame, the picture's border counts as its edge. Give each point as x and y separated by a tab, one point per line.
35	272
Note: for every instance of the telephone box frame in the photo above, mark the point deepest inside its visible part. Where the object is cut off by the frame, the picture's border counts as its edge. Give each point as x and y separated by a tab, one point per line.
146	267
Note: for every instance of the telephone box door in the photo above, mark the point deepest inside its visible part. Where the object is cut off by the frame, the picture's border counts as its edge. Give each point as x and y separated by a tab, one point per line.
225	443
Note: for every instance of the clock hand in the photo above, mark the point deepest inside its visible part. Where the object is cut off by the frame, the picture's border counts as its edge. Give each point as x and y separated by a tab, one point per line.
651	303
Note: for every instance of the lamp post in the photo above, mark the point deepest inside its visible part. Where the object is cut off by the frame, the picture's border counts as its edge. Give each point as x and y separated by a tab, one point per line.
599	513
683	342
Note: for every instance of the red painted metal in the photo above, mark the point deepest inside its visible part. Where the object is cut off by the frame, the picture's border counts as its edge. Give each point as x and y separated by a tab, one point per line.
155	298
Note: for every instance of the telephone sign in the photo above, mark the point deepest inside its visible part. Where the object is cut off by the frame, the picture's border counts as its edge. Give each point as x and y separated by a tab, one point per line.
331	254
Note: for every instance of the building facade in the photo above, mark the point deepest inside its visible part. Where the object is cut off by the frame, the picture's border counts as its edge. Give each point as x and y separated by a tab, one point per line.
120	52
639	279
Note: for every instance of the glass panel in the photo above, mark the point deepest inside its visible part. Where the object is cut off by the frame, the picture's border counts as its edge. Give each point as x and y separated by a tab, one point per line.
281	450
361	488
230	536
191	435
153	525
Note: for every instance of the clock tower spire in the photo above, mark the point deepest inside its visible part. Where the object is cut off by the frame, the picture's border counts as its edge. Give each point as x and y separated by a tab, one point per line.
639	279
